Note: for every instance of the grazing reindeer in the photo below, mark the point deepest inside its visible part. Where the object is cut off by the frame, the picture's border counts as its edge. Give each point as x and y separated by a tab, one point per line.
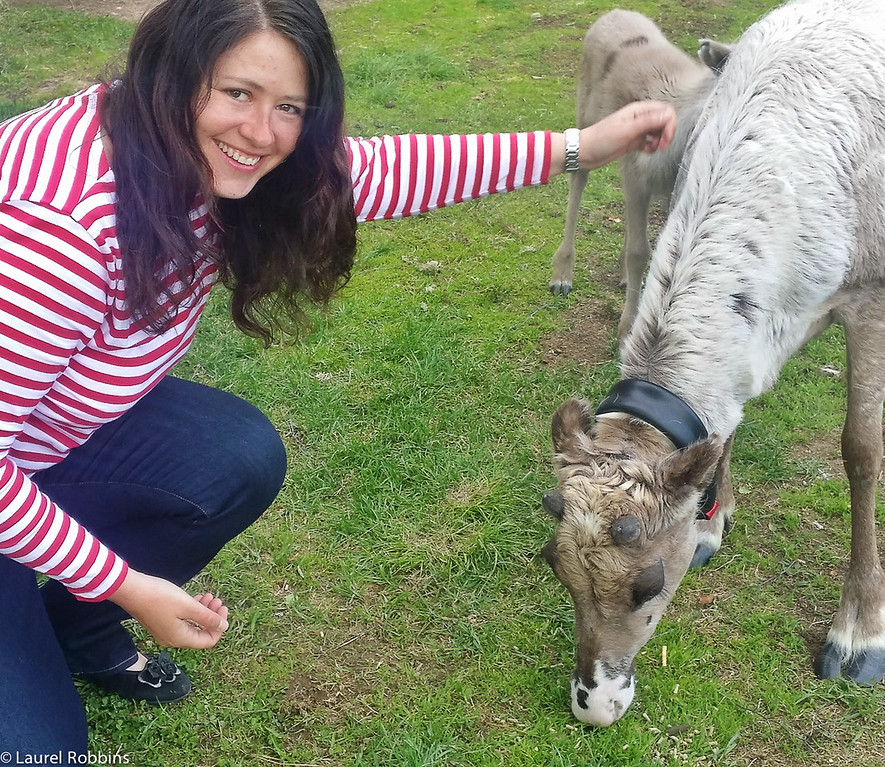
777	228
627	58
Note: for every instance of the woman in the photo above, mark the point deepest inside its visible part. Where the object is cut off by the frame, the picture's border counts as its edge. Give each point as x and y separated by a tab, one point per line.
218	157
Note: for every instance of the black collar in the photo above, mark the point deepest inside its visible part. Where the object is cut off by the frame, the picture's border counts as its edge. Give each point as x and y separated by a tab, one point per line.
668	414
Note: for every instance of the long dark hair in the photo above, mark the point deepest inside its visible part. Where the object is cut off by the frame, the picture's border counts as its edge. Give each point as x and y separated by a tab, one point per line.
292	236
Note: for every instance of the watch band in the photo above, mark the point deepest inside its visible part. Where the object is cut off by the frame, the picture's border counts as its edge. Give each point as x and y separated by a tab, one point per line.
572	146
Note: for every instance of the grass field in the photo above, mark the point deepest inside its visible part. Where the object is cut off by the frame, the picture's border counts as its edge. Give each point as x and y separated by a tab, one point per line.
391	608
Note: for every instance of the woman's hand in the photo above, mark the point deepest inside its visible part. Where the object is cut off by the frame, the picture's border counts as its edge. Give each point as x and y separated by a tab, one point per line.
170	614
648	126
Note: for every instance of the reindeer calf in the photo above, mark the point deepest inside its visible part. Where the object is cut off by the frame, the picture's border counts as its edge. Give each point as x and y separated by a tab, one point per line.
776	230
627	58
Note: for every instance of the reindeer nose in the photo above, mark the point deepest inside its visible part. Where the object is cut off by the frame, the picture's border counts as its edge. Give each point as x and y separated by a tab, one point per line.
601	703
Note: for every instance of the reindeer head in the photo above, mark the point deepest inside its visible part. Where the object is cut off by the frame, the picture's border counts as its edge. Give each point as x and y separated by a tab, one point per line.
626	508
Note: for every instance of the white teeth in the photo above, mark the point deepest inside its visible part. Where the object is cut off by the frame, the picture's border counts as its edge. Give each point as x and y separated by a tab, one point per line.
236	156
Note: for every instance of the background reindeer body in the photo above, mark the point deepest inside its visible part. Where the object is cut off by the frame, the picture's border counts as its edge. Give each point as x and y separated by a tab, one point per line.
777	228
626	58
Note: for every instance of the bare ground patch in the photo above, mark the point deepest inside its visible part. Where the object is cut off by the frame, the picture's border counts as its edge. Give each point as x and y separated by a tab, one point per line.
587	337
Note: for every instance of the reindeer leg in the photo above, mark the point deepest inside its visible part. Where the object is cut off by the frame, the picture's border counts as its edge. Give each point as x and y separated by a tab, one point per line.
856	642
710	532
564	258
635	251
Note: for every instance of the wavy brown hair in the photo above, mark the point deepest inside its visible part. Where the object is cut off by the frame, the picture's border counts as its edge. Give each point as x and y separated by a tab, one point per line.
292	237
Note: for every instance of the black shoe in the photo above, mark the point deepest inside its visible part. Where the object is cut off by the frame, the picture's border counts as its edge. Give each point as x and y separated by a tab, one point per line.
160	681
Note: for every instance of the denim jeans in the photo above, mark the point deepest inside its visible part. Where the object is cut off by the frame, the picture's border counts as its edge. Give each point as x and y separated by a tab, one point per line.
165	486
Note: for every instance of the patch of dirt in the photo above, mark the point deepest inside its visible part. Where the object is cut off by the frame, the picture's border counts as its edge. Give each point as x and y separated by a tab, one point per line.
821	457
130	10
336	684
587	338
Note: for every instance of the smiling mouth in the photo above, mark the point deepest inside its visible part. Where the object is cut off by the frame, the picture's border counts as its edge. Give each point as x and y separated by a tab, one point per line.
242	159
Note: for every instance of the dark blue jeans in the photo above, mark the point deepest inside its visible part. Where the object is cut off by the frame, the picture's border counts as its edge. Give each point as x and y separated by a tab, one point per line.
165	486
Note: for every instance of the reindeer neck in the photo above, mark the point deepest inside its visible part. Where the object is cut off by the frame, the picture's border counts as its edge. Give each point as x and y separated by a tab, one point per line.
705	334
753	253
695	371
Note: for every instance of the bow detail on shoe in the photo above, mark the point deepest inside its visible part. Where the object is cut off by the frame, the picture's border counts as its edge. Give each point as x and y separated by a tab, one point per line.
160	669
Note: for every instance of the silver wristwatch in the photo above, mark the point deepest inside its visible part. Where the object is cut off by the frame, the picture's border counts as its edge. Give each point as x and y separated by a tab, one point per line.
572	145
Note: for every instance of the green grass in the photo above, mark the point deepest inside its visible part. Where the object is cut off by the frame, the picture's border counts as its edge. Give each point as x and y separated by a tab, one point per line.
46	53
390	608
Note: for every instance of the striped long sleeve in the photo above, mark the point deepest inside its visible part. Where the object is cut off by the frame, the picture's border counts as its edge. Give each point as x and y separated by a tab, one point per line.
50	305
71	359
398	176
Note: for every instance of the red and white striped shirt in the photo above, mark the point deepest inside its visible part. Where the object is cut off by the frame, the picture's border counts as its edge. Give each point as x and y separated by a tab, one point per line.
71	356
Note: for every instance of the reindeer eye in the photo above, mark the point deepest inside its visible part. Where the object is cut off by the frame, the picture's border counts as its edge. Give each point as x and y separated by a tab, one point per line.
648	584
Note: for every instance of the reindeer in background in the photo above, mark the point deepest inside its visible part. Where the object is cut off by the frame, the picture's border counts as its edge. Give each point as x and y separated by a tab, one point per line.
626	58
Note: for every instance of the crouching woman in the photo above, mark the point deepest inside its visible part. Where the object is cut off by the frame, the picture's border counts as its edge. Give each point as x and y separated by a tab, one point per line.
217	158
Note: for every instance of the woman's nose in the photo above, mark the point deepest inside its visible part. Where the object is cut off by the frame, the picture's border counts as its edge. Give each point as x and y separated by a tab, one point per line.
257	128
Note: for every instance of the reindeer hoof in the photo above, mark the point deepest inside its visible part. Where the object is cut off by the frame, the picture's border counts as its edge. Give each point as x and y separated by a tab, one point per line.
828	664
866	668
702	555
560	288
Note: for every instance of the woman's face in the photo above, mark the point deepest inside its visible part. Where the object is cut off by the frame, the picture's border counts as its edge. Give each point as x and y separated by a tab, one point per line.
255	112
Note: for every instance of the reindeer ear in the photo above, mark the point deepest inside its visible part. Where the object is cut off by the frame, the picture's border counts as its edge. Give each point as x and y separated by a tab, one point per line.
549	553
691	468
714	54
574	416
688	471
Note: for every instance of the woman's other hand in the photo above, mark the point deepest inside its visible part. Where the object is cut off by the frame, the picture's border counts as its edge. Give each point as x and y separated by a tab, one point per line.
172	616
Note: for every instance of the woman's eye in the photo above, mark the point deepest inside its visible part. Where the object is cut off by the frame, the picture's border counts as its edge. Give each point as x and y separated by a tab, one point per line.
293	109
236	94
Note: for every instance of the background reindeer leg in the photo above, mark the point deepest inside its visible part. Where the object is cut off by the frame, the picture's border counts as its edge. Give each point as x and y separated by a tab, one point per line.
857	637
636	250
564	258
